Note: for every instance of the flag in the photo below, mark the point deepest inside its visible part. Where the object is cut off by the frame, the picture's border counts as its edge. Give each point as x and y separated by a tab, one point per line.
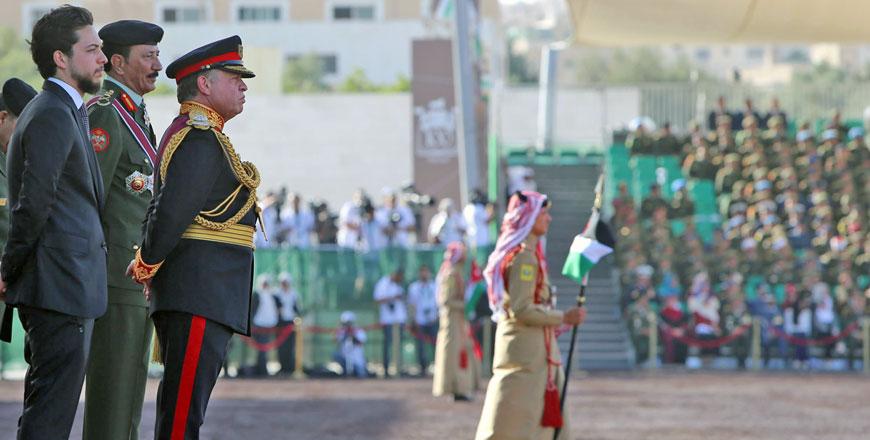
474	291
588	249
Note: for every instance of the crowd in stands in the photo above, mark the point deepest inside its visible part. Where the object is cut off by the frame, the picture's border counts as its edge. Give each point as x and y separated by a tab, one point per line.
759	223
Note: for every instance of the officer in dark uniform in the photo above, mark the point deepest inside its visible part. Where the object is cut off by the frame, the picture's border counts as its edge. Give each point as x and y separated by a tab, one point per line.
123	139
197	257
16	95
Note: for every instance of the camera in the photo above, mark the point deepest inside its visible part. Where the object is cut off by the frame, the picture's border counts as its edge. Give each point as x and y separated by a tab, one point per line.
414	199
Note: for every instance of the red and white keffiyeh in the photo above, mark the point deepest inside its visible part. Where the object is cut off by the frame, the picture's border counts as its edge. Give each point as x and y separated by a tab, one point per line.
523	210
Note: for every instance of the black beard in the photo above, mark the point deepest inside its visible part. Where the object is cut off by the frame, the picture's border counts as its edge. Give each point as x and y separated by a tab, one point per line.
85	84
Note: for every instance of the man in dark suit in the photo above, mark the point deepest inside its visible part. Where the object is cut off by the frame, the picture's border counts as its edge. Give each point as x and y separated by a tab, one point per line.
53	267
196	258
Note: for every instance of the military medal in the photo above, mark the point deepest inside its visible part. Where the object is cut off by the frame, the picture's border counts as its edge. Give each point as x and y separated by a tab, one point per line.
145	116
137	183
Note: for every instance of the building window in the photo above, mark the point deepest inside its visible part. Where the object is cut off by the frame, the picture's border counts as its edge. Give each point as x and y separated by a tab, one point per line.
755	53
702	55
259	13
353	13
328	63
183	14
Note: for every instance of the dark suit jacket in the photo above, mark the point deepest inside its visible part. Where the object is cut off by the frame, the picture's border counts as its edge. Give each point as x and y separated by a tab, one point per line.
55	257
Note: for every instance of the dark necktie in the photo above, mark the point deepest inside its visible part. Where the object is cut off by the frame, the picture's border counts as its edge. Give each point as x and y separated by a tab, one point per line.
84	114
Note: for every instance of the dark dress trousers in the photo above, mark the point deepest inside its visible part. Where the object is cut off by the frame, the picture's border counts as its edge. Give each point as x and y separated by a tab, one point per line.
54	262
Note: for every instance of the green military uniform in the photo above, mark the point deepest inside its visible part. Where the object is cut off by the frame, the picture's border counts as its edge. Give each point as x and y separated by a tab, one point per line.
119	358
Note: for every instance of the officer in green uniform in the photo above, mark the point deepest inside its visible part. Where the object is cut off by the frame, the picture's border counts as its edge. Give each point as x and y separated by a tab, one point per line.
124	141
16	95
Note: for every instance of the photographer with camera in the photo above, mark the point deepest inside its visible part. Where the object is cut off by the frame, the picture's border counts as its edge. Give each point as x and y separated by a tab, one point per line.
297	222
448	225
356	223
350	353
478	214
390	295
394	221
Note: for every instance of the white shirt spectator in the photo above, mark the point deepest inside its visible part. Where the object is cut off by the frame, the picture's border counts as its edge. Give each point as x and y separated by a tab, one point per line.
349	222
266	314
448	225
401	219
477	220
421	295
298	227
804	322
392	310
289	300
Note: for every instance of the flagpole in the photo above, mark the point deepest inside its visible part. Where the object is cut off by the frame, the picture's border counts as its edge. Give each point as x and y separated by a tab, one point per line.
581	296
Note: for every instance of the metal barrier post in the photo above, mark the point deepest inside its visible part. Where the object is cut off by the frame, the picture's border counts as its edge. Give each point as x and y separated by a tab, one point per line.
397	350
487	348
653	354
756	344
866	344
298	373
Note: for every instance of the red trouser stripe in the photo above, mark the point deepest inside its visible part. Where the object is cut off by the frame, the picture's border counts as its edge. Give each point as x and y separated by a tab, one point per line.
188	376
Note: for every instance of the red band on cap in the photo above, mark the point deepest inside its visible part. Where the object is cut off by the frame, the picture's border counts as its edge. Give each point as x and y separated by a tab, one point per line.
229	56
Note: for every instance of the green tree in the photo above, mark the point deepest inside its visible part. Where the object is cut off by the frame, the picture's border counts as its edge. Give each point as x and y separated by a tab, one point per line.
634	66
356	82
304	75
15	60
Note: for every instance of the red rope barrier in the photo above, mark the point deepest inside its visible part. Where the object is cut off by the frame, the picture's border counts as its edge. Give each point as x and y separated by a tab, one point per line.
819	341
273	344
704	343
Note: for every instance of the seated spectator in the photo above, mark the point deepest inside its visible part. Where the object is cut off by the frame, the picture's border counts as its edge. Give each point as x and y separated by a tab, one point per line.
350	354
651	202
623	207
641	288
670	282
775	112
665	143
715	115
640	326
639	142
682	205
699	165
675	319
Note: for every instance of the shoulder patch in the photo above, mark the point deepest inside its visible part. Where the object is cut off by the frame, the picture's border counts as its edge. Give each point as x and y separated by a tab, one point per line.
99	139
527	272
106	98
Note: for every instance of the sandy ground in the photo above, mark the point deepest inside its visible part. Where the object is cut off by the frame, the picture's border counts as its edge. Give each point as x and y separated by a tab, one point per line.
649	406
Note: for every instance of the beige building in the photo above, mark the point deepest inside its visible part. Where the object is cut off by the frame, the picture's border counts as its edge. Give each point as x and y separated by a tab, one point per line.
346	35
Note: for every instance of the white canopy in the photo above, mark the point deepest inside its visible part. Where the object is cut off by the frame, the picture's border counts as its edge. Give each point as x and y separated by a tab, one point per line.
649	22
